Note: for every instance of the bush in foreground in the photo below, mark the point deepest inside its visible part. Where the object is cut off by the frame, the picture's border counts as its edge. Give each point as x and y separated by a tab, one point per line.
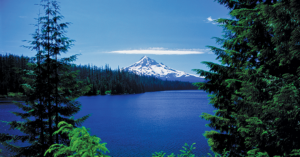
186	152
81	143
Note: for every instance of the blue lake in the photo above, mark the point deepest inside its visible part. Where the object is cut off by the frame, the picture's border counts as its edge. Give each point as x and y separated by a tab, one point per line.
138	125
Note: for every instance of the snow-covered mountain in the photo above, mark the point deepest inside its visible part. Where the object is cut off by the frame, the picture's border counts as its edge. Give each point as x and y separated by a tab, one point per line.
148	66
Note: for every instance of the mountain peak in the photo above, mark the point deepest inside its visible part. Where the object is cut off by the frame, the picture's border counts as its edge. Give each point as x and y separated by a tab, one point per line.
148	66
144	57
146	61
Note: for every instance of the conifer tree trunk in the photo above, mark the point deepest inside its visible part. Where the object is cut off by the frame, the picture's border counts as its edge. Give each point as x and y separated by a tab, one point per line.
48	83
39	97
56	101
56	51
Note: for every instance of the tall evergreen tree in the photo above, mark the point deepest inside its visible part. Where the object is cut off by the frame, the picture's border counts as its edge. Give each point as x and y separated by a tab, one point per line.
257	93
51	88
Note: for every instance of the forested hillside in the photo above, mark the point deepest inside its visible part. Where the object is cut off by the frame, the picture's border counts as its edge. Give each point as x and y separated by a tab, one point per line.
101	80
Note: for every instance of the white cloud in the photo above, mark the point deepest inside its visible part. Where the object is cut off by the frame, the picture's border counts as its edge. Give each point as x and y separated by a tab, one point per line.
162	51
210	20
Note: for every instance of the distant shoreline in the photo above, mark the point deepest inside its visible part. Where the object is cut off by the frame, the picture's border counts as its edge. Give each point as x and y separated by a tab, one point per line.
5	100
8	100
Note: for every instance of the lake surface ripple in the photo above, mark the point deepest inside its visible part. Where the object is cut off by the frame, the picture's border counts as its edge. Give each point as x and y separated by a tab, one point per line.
138	125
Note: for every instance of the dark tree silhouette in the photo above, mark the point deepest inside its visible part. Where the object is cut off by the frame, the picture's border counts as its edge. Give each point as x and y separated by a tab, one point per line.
50	88
256	89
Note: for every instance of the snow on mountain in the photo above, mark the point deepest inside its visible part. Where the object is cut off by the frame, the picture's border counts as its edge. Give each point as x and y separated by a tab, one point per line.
148	66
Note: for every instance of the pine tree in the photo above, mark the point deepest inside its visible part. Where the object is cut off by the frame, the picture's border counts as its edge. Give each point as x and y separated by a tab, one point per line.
257	93
50	89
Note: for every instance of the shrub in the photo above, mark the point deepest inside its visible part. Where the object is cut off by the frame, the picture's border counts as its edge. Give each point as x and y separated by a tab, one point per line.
81	143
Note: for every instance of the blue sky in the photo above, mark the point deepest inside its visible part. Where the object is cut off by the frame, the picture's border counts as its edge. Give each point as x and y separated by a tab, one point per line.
120	32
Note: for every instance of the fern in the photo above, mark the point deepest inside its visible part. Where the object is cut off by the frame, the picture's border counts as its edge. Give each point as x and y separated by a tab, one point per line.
158	154
81	143
186	152
225	154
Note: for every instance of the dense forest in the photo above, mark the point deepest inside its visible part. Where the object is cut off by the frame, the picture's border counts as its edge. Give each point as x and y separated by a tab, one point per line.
101	80
257	94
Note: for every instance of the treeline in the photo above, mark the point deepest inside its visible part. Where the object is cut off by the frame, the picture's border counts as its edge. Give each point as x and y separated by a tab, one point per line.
119	82
101	80
10	73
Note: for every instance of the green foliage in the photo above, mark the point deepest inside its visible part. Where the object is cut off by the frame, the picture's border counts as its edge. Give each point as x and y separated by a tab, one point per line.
81	143
108	92
15	95
257	93
158	154
225	154
185	152
49	86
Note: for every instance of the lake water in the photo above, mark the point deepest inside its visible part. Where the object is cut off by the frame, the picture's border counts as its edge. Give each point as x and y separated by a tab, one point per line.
138	125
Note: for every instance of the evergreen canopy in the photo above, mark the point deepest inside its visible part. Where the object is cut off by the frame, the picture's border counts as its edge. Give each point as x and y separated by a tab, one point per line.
50	88
256	89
